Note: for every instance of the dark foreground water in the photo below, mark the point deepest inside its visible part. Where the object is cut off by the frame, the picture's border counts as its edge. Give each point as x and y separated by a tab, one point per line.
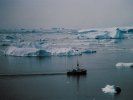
101	71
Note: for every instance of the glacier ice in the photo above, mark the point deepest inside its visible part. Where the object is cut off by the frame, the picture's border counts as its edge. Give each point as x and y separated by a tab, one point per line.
64	42
17	51
107	33
124	65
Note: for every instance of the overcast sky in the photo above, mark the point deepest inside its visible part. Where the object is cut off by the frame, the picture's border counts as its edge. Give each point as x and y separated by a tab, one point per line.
65	13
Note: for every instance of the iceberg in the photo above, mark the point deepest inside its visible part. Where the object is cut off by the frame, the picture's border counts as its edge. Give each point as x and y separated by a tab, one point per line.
124	65
107	33
119	34
17	51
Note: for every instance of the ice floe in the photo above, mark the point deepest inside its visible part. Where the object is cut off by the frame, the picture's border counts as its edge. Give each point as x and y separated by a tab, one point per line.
124	65
111	89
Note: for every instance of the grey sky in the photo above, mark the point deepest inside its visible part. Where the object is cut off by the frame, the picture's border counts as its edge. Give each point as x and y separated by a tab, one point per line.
65	13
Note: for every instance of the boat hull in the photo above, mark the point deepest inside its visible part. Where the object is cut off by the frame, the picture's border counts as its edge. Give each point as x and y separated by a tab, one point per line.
84	72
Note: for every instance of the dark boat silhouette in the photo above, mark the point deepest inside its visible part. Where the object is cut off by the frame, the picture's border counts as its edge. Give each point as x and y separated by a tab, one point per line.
77	71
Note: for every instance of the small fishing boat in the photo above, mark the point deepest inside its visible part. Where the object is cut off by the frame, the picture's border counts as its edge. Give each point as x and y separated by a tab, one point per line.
77	71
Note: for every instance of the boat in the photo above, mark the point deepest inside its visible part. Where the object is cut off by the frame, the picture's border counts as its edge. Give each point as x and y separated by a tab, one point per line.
77	71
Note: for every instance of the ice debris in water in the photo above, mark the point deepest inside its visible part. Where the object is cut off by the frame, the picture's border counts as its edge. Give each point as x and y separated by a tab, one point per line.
109	89
124	65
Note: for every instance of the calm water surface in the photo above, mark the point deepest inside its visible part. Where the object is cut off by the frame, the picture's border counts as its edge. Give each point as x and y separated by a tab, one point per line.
101	71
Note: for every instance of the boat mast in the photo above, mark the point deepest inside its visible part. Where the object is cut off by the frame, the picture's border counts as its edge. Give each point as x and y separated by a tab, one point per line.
77	64
66	62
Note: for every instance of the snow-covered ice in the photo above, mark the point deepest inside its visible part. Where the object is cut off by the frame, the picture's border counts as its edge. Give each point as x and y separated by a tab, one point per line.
17	51
63	42
107	33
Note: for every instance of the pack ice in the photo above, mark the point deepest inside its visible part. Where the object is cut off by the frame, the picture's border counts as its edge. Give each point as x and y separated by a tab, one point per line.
62	42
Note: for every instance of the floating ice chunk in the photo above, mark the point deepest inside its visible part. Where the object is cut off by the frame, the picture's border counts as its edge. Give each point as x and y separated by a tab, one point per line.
109	89
124	65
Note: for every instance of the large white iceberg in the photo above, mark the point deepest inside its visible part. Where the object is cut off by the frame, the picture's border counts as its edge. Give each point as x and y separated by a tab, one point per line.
17	51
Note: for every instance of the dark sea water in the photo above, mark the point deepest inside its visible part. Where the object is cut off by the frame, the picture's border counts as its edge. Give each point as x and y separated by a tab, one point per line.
101	71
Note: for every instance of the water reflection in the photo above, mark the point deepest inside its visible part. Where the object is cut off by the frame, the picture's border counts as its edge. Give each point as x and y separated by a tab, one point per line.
77	79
